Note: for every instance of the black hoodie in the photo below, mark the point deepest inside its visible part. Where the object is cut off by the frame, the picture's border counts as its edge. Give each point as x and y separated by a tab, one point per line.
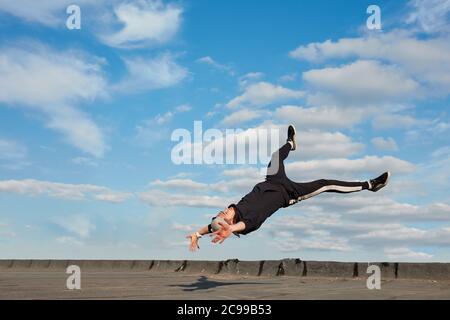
258	205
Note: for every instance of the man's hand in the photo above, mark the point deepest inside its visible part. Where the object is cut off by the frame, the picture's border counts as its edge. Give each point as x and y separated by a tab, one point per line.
194	242
223	233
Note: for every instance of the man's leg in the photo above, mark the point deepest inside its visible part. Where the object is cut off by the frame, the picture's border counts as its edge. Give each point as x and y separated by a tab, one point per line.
314	188
275	169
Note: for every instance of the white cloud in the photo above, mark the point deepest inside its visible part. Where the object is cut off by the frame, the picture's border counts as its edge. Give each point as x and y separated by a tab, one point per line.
83	161
190	186
406	254
385	144
360	213
263	93
440	152
113	197
79	225
320	144
382	208
248	172
440	127
183	108
143	23
152	73
430	16
186	184
242	116
168	116
314	222
39	76
47	12
249	78
239	180
159	198
400	234
393	120
288	77
238	186
13	155
181	175
363	80
324	117
185	228
70	241
12	150
329	168
51	83
289	242
436	171
151	131
340	216
211	62
164	118
4	232
147	134
79	130
132	24
392	45
317	224
62	190
427	59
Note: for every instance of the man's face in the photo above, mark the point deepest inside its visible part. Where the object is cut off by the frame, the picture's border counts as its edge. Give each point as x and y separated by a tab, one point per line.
227	215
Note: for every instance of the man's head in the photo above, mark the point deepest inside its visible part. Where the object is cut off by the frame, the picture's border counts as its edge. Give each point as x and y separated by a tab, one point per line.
229	215
216	223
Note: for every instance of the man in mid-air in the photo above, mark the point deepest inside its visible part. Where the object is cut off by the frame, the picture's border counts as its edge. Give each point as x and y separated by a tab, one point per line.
278	191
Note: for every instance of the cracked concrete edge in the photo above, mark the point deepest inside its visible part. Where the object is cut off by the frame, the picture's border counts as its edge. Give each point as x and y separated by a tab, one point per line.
267	268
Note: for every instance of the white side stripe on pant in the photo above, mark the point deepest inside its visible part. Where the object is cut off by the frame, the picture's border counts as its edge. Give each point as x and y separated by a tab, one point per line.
330	187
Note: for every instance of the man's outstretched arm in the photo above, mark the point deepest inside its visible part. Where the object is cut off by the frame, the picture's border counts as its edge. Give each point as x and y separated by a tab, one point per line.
197	235
238	227
227	230
221	234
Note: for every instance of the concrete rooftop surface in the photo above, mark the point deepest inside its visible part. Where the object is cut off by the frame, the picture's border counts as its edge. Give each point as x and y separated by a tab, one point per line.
221	280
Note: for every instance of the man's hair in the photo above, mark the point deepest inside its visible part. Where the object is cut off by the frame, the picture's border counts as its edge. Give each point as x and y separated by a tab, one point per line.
215	224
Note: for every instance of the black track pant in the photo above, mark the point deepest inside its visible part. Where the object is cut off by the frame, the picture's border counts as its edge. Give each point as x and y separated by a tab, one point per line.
305	190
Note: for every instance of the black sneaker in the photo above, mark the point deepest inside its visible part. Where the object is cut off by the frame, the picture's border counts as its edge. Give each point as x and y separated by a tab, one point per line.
380	182
291	136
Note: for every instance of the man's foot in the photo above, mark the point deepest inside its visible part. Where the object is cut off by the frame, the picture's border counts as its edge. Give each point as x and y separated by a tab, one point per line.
291	137
380	182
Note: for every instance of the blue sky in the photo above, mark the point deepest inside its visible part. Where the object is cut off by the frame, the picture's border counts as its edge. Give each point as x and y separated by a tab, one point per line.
86	118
